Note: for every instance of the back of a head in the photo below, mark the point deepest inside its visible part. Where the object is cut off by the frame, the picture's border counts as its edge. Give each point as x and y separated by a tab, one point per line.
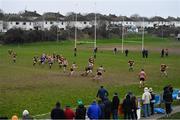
102	86
58	104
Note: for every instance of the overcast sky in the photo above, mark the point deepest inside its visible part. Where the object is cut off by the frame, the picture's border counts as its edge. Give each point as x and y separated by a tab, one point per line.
146	8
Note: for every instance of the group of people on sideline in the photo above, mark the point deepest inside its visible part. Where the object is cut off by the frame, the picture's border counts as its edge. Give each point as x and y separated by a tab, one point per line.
104	108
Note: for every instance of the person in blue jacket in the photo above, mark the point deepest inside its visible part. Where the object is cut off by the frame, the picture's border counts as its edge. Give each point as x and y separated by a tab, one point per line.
102	93
94	111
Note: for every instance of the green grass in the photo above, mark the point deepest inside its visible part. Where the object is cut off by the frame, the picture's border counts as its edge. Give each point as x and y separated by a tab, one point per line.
37	89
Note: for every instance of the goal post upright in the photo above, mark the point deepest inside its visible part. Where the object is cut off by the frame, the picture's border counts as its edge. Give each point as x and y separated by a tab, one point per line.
122	41
143	35
95	28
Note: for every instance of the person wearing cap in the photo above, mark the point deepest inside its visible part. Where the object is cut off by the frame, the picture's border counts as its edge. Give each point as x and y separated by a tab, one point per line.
146	97
69	113
115	105
80	111
94	111
152	100
26	116
57	112
102	93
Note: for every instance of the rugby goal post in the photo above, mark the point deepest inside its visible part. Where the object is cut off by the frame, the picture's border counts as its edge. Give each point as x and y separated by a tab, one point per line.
139	42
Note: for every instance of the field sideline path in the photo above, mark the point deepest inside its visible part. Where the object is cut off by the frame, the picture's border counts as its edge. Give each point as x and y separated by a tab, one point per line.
158	116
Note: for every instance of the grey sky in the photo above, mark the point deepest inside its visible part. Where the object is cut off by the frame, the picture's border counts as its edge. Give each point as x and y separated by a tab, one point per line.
147	8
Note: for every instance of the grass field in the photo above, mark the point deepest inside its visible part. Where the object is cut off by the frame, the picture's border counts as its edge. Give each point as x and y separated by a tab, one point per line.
37	89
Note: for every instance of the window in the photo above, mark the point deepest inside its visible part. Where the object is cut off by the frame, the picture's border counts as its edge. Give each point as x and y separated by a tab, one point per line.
17	23
30	23
46	22
85	22
24	23
51	22
62	23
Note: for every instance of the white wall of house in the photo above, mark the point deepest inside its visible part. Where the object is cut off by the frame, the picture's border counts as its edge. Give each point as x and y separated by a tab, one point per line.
1	26
19	24
49	24
80	24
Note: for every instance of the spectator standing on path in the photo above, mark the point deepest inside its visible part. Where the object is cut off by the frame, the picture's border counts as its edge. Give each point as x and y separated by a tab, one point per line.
102	107
26	116
57	112
108	108
115	105
69	113
146	97
80	111
134	107
102	93
152	100
127	107
94	111
167	97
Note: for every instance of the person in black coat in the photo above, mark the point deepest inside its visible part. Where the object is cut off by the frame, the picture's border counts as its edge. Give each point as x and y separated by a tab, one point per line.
107	109
115	105
167	97
102	107
134	107
57	112
152	100
80	111
127	107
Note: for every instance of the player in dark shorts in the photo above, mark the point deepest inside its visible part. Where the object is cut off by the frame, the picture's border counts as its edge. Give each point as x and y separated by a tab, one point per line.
72	69
65	64
131	65
142	77
163	69
50	61
98	76
14	55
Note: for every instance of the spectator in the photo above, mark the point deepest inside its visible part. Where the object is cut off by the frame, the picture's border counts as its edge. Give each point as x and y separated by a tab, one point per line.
166	52
167	97
108	108
94	111
102	107
115	105
14	117
57	112
80	111
126	52
134	107
146	97
26	116
146	53
126	106
143	53
162	53
152	100
115	50
69	113
102	93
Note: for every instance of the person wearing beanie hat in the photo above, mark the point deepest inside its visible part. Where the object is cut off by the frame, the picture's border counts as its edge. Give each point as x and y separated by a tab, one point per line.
146	97
152	100
57	112
26	116
115	105
80	111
